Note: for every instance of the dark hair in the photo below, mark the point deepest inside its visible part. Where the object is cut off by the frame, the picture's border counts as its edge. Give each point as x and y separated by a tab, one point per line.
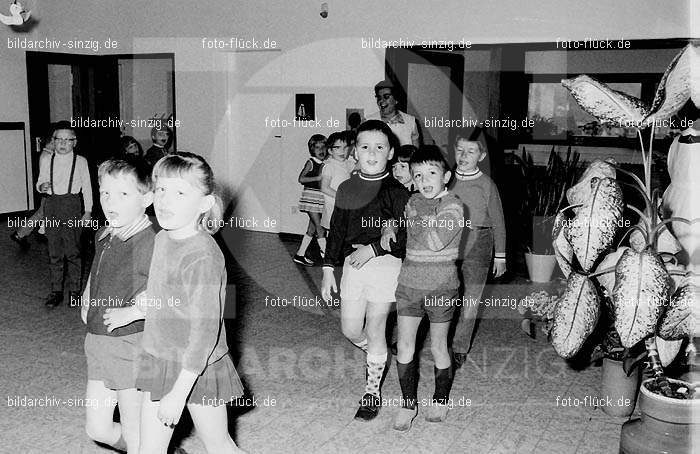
137	167
343	136
63	124
316	138
404	154
384	84
379	126
198	173
126	141
430	154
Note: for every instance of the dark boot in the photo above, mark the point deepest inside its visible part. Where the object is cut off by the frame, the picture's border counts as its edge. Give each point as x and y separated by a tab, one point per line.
54	299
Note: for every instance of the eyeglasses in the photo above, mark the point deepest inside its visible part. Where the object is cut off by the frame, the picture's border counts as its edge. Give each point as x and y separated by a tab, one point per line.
62	140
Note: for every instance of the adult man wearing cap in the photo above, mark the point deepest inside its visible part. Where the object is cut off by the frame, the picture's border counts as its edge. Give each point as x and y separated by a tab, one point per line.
402	124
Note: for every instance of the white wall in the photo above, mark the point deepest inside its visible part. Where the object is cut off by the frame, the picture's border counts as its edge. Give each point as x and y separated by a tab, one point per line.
320	56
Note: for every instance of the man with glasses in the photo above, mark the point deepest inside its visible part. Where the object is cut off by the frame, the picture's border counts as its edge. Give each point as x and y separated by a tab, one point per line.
403	125
63	177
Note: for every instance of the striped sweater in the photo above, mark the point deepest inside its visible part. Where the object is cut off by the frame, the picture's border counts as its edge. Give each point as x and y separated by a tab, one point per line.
434	229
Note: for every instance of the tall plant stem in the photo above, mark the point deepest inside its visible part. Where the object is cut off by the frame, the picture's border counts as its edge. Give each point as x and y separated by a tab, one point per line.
656	367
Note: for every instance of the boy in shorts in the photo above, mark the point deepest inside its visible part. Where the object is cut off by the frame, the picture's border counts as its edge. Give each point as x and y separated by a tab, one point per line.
119	274
364	203
428	282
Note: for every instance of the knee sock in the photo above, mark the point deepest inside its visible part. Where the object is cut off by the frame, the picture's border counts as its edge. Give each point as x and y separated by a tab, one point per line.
443	383
304	245
322	246
362	344
375	371
408	380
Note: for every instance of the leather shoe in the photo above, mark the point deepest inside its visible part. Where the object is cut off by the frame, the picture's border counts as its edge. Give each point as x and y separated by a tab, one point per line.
369	407
54	299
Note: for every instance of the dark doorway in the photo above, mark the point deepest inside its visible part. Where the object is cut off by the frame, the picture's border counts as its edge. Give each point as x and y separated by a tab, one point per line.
429	85
85	89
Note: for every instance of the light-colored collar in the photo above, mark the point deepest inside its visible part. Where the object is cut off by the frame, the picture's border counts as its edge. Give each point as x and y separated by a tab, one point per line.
127	231
442	194
468	176
375	177
316	160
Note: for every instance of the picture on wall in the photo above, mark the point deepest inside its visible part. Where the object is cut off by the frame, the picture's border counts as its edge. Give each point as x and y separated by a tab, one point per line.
353	117
305	106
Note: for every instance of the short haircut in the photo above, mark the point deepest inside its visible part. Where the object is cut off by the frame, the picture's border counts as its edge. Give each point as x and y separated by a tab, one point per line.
430	154
316	138
379	126
404	154
343	136
128	165
471	138
63	124
386	83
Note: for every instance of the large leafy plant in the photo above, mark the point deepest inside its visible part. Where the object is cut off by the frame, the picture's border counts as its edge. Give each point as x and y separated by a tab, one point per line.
648	305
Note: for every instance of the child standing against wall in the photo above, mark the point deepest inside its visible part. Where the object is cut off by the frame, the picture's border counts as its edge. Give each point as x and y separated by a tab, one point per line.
485	241
311	201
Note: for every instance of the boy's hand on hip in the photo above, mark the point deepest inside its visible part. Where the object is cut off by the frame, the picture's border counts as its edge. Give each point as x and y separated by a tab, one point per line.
86	216
362	255
388	236
328	284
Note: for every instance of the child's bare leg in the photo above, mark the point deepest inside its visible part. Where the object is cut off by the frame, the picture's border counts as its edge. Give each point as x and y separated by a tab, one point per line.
376	327
130	415
99	414
211	424
306	240
319	232
155	436
406	345
352	321
438	344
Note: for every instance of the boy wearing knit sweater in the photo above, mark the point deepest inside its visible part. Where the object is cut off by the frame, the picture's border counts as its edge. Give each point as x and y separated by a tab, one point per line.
486	240
428	282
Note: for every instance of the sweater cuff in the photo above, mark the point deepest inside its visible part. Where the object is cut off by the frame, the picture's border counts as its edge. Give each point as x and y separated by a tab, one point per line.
500	256
377	248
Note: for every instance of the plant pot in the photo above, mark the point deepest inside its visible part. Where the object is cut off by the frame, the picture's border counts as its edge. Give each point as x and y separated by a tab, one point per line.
540	266
617	389
667	425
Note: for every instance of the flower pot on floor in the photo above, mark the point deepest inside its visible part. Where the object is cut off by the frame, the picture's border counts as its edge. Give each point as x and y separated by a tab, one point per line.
617	389
540	266
667	425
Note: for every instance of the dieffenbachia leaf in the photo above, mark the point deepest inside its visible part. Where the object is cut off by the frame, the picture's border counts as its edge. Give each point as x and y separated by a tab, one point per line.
604	103
678	321
675	86
581	191
593	228
668	350
642	287
562	248
575	315
607	280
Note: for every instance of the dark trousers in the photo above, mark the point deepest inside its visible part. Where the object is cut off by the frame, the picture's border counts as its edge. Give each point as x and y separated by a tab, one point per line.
478	253
63	234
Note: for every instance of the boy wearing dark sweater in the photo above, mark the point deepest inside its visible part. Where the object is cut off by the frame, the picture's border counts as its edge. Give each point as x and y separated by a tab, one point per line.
428	282
119	273
365	203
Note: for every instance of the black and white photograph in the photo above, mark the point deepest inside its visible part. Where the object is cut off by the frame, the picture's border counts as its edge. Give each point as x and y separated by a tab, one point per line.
420	226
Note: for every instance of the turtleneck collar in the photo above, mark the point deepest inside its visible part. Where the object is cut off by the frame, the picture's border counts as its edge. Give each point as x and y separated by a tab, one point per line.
374	177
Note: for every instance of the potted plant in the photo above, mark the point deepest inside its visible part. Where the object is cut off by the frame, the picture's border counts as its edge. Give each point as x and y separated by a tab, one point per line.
543	196
650	308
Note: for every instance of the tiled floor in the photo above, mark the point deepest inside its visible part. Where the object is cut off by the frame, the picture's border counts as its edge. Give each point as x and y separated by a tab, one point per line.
306	378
